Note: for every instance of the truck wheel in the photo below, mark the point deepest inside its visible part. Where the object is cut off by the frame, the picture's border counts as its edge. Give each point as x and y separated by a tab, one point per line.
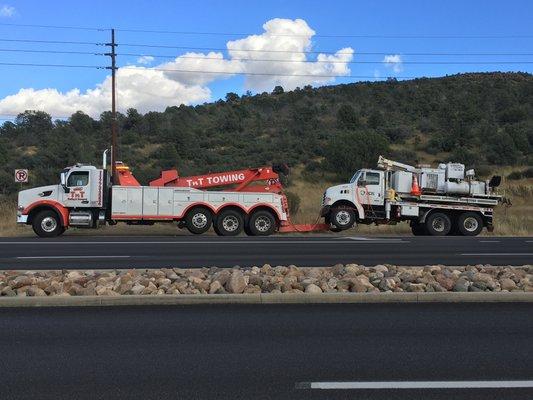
47	224
419	229
198	220
438	224
469	224
262	223
230	223
342	218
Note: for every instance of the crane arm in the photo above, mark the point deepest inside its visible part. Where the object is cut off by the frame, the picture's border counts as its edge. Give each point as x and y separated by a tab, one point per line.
386	164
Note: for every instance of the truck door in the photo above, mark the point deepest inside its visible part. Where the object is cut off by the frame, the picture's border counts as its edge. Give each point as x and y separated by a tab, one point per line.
370	188
79	190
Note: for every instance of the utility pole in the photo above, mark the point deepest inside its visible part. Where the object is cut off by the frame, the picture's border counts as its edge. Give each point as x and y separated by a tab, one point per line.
114	140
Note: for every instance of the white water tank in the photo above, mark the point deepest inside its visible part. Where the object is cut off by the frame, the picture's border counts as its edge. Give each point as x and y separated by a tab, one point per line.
457	187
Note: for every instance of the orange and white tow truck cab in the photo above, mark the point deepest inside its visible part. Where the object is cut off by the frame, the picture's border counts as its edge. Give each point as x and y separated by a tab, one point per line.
86	198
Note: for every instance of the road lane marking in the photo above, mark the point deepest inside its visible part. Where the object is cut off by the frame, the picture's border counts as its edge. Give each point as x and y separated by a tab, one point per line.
365	239
41	257
489	241
209	243
496	254
416	385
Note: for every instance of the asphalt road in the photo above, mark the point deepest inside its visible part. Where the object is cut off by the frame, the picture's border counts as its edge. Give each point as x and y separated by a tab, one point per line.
197	251
265	351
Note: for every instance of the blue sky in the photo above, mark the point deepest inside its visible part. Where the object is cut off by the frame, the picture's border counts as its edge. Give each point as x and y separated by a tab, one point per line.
422	18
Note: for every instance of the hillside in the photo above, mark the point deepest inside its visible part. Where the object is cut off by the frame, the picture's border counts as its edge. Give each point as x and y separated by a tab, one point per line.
484	120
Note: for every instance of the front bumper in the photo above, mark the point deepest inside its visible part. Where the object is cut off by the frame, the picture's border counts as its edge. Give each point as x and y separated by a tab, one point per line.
22	219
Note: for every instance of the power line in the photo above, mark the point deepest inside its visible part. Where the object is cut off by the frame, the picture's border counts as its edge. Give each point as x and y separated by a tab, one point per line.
51	52
342	35
84	28
53	65
203	71
49	41
325	61
184	57
186	71
320	52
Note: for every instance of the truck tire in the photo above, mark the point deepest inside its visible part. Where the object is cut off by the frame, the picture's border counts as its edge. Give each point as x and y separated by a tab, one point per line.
229	223
47	224
438	224
198	220
342	218
419	229
469	224
262	223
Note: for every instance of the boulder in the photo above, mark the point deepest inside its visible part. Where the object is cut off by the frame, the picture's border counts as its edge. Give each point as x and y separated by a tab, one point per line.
236	282
461	285
312	288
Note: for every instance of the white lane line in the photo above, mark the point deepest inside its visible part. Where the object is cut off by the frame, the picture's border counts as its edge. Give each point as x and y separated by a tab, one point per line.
489	241
89	257
365	239
416	385
208	243
496	254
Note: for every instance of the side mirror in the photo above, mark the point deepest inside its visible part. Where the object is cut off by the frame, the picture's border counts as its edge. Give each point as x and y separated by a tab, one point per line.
64	182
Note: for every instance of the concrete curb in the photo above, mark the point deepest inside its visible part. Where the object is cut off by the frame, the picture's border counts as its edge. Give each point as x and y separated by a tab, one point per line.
268	298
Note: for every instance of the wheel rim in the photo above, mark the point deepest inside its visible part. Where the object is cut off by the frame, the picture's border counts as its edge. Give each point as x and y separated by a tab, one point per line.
263	224
199	220
343	218
230	223
48	224
438	224
470	224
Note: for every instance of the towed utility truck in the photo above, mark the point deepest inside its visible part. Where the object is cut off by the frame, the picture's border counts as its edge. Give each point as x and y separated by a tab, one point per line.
446	200
249	200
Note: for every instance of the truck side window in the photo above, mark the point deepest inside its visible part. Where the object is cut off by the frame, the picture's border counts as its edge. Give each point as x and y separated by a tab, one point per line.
372	178
78	178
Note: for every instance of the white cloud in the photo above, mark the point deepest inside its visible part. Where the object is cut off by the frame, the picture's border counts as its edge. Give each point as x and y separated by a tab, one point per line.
395	62
177	82
285	56
145	60
7	11
137	87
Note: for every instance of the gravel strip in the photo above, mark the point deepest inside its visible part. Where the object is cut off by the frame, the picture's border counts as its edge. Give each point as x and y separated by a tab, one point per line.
267	279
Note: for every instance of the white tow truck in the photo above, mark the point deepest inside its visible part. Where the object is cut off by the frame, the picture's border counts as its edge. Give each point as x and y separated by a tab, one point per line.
435	201
86	197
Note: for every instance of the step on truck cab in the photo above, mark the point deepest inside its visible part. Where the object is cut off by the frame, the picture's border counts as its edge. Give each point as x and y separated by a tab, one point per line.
88	197
435	201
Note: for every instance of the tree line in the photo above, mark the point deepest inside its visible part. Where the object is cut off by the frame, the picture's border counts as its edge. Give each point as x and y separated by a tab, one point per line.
481	119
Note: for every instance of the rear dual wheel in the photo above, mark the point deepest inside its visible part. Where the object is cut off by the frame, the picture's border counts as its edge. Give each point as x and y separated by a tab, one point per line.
229	223
232	223
469	224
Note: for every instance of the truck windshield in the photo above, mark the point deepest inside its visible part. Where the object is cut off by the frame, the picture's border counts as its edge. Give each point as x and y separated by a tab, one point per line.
355	177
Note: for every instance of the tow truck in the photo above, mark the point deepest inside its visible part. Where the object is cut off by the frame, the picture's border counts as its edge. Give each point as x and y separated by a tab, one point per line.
89	197
446	200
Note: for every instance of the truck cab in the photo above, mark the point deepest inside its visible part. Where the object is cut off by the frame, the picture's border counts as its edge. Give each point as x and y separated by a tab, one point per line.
364	195
76	201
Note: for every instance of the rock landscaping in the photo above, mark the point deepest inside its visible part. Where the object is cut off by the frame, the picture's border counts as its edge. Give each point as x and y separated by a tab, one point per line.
267	279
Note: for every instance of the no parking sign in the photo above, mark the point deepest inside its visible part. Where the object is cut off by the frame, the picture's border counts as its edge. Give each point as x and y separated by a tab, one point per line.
21	175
